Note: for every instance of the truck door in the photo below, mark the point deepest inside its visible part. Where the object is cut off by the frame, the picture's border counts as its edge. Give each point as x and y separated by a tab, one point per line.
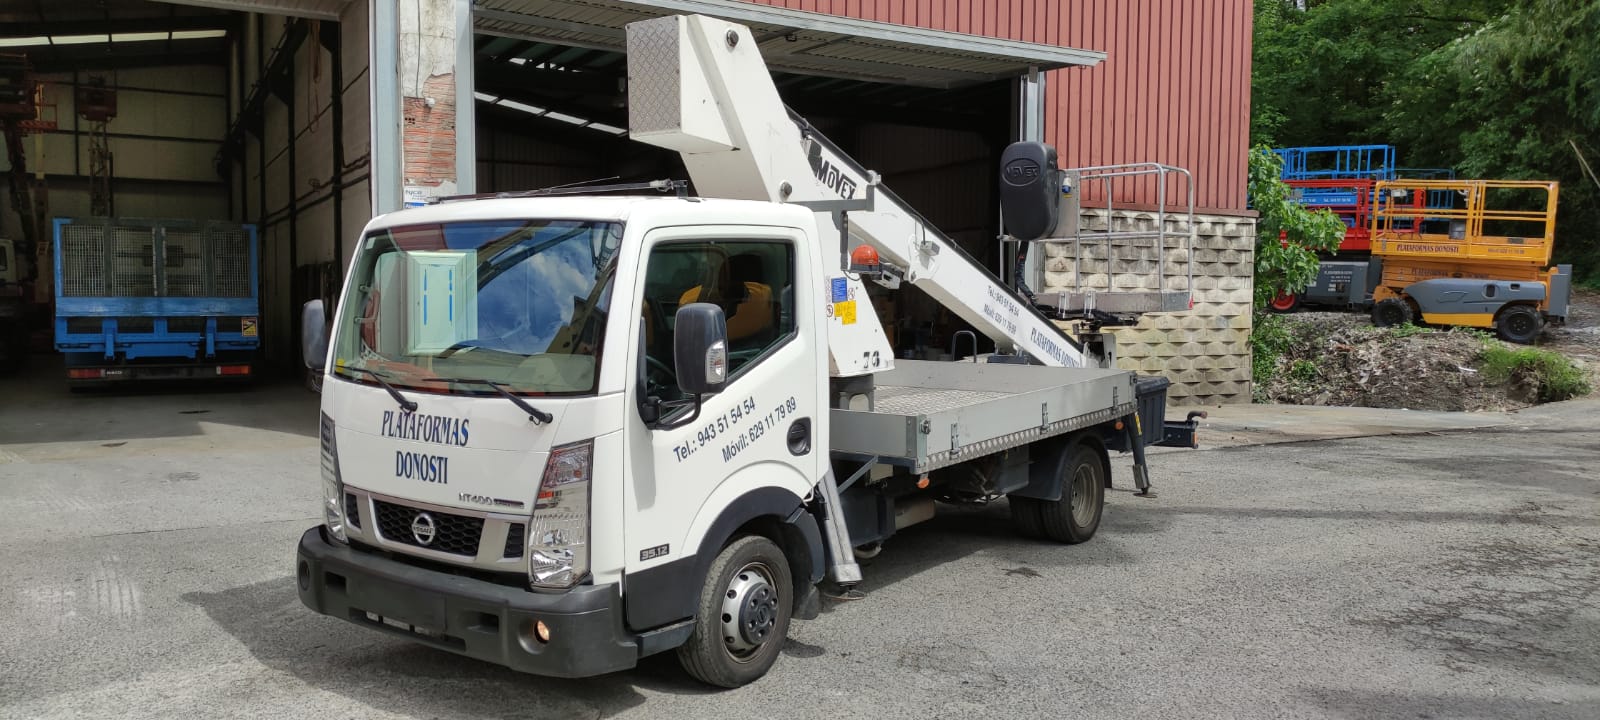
756	441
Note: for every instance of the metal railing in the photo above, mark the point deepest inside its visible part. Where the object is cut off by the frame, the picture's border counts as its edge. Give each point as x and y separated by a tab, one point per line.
1086	298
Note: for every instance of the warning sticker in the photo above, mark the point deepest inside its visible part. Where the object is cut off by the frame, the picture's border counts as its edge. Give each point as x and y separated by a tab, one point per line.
841	290
247	327
845	311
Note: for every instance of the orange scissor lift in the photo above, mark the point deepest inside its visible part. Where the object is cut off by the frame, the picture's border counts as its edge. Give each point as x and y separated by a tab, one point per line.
1483	262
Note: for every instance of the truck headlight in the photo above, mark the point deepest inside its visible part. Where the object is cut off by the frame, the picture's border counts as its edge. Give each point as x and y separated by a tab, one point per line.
332	484
558	537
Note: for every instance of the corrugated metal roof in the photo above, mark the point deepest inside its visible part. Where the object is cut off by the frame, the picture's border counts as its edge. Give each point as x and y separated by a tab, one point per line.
792	41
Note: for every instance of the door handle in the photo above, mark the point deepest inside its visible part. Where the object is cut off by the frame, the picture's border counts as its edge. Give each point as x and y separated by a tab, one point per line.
799	437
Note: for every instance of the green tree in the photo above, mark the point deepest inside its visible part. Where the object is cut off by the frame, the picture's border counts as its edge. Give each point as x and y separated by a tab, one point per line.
1288	236
1321	75
1519	98
1496	89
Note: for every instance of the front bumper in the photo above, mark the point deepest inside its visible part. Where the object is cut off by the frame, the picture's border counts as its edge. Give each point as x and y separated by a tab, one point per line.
467	616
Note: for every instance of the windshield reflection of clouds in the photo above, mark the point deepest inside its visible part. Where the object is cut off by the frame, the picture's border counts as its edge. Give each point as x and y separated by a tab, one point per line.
521	308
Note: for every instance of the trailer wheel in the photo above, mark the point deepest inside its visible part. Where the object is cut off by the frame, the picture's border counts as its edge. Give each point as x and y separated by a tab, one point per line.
1284	302
1075	517
743	615
1519	324
1390	312
1025	515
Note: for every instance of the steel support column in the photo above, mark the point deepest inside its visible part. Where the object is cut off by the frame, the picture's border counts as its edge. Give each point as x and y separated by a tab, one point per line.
383	62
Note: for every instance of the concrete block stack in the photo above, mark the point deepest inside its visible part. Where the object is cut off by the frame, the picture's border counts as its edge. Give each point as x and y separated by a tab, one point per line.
1204	351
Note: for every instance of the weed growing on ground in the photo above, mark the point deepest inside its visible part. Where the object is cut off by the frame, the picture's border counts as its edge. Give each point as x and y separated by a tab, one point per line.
1269	340
1406	330
1551	375
1303	371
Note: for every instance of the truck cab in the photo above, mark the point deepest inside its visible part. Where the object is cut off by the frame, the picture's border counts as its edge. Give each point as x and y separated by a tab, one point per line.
511	375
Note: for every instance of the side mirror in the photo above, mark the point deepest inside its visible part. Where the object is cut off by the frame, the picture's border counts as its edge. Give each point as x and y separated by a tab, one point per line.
313	335
700	348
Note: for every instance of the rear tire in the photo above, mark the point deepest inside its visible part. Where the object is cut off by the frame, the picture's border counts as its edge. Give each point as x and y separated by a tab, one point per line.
1025	515
1520	324
743	614
1391	312
1076	516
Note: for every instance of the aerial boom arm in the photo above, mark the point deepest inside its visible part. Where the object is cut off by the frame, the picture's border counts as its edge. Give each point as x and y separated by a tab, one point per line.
699	86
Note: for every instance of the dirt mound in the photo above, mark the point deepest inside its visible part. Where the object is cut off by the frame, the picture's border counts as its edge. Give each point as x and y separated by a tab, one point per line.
1341	359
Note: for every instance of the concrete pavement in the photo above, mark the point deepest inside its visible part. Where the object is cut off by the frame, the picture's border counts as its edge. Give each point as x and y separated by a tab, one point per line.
148	573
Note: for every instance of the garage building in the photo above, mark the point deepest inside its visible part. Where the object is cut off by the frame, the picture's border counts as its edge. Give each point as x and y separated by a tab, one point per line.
307	117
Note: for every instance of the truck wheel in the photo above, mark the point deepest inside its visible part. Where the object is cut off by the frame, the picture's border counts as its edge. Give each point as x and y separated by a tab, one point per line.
1075	517
1390	312
1025	516
743	615
1284	302
1519	324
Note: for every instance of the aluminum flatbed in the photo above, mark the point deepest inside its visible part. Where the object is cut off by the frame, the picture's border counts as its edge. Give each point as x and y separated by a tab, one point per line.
927	415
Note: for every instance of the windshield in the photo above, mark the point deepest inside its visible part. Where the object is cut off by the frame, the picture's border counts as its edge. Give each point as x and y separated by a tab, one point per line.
515	302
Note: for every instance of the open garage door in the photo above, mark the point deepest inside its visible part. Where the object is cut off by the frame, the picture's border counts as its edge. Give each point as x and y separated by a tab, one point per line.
931	111
252	113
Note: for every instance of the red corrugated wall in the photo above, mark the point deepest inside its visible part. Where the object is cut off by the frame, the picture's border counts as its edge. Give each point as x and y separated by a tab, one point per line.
1174	88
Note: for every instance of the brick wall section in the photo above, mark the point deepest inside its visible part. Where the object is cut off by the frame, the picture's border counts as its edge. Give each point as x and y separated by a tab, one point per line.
428	134
1205	351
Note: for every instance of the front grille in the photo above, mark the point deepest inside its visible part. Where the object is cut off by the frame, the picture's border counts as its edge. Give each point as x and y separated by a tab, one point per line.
455	534
514	540
352	510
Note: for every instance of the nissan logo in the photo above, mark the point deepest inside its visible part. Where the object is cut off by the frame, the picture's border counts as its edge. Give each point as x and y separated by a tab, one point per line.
423	529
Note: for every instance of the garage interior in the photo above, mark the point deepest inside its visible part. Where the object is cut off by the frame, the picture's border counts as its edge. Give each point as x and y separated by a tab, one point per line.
259	112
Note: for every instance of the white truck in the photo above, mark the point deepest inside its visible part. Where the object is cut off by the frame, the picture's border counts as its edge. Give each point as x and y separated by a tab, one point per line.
562	432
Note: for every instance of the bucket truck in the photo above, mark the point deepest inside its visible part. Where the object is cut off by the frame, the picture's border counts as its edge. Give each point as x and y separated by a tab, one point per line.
561	430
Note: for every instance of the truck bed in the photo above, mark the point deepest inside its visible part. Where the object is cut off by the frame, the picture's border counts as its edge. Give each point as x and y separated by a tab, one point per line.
928	415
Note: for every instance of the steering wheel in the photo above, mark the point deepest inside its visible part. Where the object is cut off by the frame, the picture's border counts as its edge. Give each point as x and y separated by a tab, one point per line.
659	369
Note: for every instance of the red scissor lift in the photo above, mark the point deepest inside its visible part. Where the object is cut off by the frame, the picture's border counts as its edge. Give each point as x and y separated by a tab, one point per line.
1341	179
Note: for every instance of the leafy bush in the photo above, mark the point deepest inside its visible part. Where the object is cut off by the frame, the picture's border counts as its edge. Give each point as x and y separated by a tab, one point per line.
1288	236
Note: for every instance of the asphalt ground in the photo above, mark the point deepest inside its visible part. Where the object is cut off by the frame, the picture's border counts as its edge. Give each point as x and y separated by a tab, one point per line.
148	549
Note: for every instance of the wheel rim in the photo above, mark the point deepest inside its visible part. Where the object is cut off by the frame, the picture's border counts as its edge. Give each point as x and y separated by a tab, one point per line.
1520	324
1083	488
749	611
1283	301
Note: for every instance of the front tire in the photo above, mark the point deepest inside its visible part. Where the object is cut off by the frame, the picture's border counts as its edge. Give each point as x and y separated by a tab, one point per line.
743	614
1519	324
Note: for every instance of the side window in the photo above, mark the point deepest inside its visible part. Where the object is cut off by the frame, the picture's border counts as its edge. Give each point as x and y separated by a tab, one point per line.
753	282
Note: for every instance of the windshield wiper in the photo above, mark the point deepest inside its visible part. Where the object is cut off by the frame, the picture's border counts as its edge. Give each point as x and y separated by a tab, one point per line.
406	405
538	416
